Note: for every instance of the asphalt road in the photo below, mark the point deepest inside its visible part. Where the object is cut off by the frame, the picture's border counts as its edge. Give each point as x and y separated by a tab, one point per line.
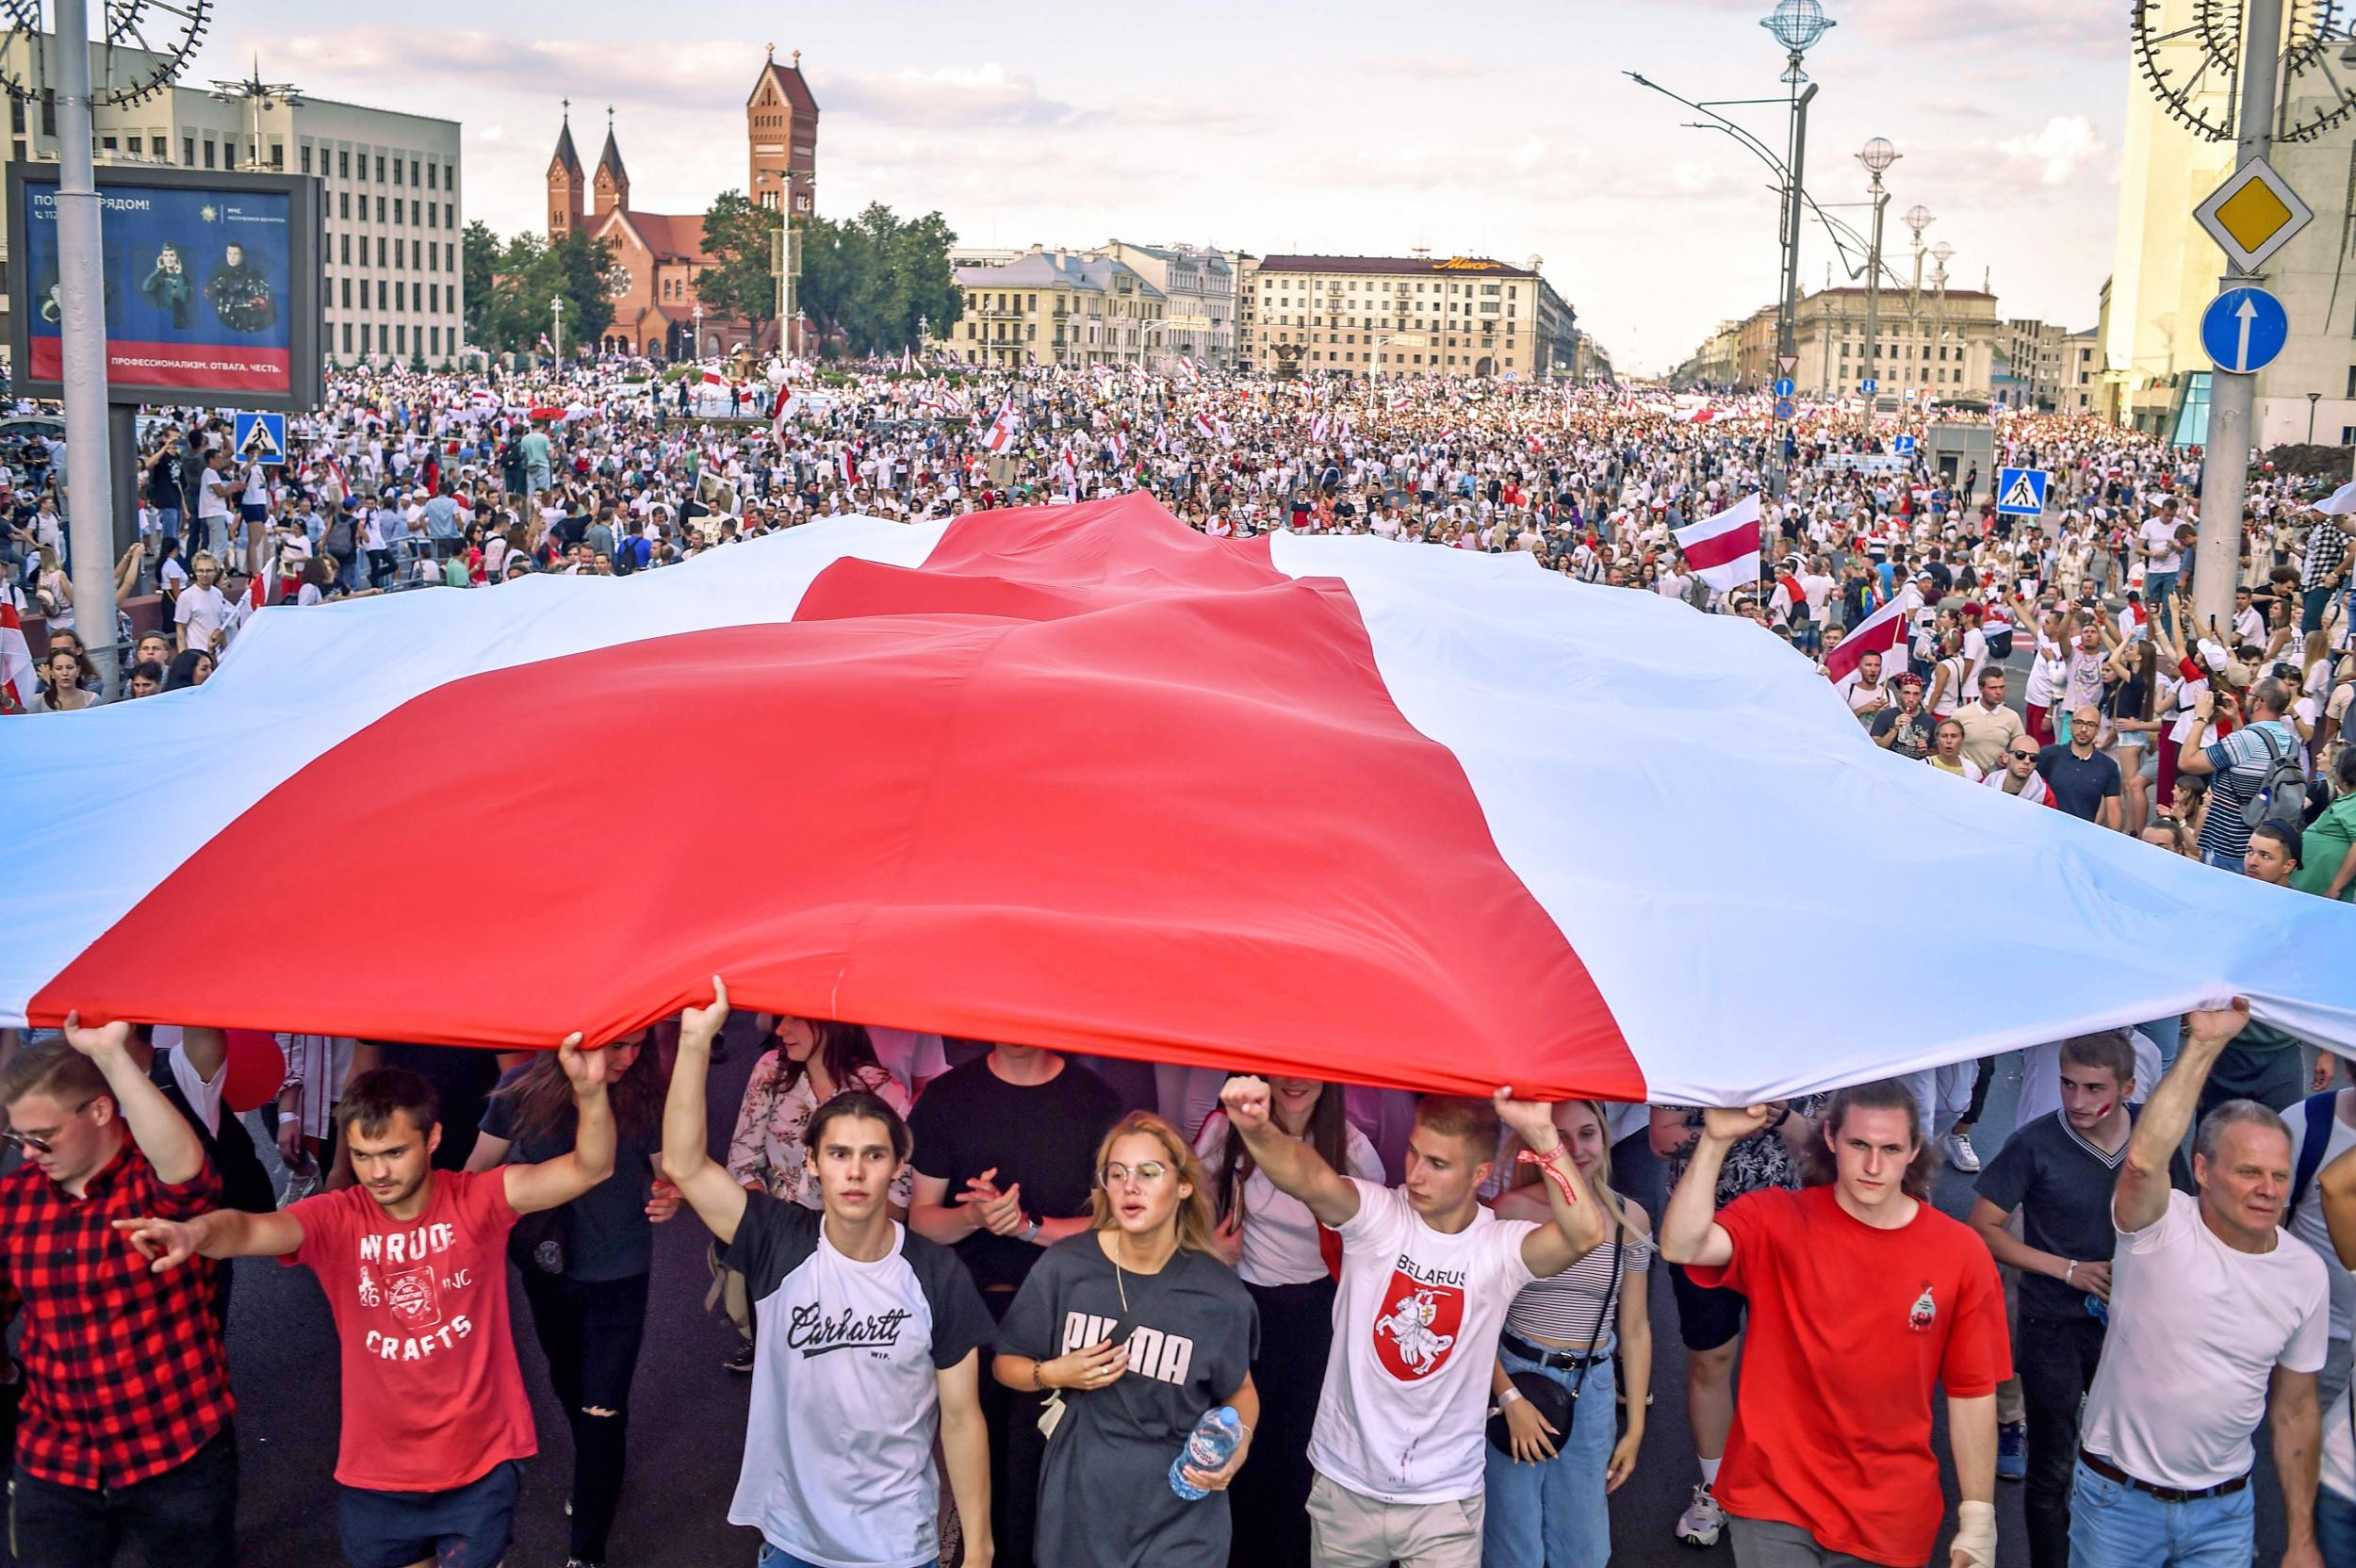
687	1419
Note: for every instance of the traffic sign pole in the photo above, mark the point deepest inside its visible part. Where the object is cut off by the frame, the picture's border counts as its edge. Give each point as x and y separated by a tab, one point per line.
2233	394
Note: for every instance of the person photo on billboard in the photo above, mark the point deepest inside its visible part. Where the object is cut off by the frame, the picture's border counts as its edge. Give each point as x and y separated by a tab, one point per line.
169	287
241	295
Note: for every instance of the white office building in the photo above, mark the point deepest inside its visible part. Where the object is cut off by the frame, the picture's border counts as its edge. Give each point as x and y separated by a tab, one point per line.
391	194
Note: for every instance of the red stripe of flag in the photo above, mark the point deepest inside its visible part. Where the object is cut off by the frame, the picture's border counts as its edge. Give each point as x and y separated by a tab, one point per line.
1719	550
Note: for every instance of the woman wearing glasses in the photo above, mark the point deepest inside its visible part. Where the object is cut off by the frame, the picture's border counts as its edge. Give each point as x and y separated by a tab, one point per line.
1135	1329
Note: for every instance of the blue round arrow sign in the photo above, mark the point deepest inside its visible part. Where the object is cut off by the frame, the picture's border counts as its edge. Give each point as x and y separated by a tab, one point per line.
2244	330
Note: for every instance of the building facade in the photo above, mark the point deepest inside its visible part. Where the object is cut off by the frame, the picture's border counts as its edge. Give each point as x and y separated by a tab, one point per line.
1055	307
1199	284
392	193
2040	361
2165	269
1247	269
1946	344
1464	316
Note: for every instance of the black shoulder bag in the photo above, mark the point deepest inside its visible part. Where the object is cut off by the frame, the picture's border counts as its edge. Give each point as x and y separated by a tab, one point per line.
1555	1404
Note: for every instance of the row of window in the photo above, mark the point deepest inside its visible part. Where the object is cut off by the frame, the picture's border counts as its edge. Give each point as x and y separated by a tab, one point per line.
396	339
428	296
1300	318
1487	342
432	172
1339	358
1908	353
433	215
1142	309
1388	285
434	255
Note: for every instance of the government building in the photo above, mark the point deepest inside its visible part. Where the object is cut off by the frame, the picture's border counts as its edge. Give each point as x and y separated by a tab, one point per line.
392	191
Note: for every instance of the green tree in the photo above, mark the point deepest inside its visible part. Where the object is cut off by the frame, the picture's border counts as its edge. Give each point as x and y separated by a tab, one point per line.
582	270
873	277
739	237
477	262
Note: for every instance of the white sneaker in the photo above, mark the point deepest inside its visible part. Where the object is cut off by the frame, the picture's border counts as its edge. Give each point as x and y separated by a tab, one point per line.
1702	1519
1960	1154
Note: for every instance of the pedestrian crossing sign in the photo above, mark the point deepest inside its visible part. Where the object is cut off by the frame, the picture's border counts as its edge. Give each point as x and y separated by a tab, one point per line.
2020	492
260	437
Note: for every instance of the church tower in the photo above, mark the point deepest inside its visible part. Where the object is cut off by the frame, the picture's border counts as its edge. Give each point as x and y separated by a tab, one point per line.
781	136
611	184
567	183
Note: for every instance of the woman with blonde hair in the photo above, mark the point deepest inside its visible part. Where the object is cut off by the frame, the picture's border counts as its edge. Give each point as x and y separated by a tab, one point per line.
1549	1473
1137	1329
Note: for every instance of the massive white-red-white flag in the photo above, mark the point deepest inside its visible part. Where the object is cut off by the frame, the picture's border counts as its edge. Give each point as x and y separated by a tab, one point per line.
1723	550
1092	780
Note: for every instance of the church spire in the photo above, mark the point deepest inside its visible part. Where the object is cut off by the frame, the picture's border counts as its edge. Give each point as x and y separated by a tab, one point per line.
612	183
566	159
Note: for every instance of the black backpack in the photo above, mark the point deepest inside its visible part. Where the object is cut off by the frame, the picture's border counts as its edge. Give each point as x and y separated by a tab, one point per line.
2281	792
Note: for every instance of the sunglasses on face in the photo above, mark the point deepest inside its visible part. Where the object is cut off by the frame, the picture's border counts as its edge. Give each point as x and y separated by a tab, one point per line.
39	1143
2023	756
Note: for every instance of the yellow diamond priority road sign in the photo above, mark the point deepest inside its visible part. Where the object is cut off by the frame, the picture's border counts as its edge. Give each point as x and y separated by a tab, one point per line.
2252	215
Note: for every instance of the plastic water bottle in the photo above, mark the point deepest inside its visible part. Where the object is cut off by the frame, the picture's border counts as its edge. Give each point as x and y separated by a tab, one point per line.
1212	1444
2097	1308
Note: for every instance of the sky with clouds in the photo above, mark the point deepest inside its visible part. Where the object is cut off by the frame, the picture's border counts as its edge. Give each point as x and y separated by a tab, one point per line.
1363	128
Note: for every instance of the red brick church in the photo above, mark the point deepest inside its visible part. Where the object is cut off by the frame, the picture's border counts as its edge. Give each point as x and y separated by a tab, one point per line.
658	255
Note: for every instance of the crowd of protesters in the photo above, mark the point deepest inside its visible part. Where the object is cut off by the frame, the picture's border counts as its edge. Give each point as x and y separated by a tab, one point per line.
988	1295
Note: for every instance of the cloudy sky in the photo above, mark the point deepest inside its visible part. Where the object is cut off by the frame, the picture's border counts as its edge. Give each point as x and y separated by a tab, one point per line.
1363	128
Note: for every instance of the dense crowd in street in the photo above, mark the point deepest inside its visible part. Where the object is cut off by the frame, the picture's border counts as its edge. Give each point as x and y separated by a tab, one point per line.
1000	1305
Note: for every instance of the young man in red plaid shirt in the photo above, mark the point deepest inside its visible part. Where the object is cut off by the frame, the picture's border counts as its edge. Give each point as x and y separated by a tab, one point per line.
126	1426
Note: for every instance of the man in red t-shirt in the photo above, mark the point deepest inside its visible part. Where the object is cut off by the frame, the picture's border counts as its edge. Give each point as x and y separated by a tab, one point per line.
414	1261
1863	1299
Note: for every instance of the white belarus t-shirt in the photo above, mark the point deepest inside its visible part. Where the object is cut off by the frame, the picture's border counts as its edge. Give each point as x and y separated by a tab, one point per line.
1414	1335
2197	1329
2162	537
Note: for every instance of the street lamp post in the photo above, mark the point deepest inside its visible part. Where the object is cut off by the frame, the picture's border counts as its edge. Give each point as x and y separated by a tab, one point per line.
1797	25
556	339
2313	399
1877	155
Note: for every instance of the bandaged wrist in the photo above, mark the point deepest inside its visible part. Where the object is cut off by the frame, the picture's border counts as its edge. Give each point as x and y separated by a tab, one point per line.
1975	1533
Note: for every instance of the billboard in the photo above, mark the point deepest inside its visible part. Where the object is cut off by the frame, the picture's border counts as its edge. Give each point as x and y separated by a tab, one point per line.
211	279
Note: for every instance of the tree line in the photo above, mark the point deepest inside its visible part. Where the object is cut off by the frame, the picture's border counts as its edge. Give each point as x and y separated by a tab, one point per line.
865	283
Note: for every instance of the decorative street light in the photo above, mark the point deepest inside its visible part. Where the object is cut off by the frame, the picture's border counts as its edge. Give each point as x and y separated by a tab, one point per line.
1877	155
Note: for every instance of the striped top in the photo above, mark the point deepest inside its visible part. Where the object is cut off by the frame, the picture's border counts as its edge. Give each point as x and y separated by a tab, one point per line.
1568	1306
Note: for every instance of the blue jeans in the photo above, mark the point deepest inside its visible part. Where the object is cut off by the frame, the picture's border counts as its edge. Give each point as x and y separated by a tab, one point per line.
2223	861
2168	1034
2159	595
772	1558
1551	1515
2113	1524
2335	1528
